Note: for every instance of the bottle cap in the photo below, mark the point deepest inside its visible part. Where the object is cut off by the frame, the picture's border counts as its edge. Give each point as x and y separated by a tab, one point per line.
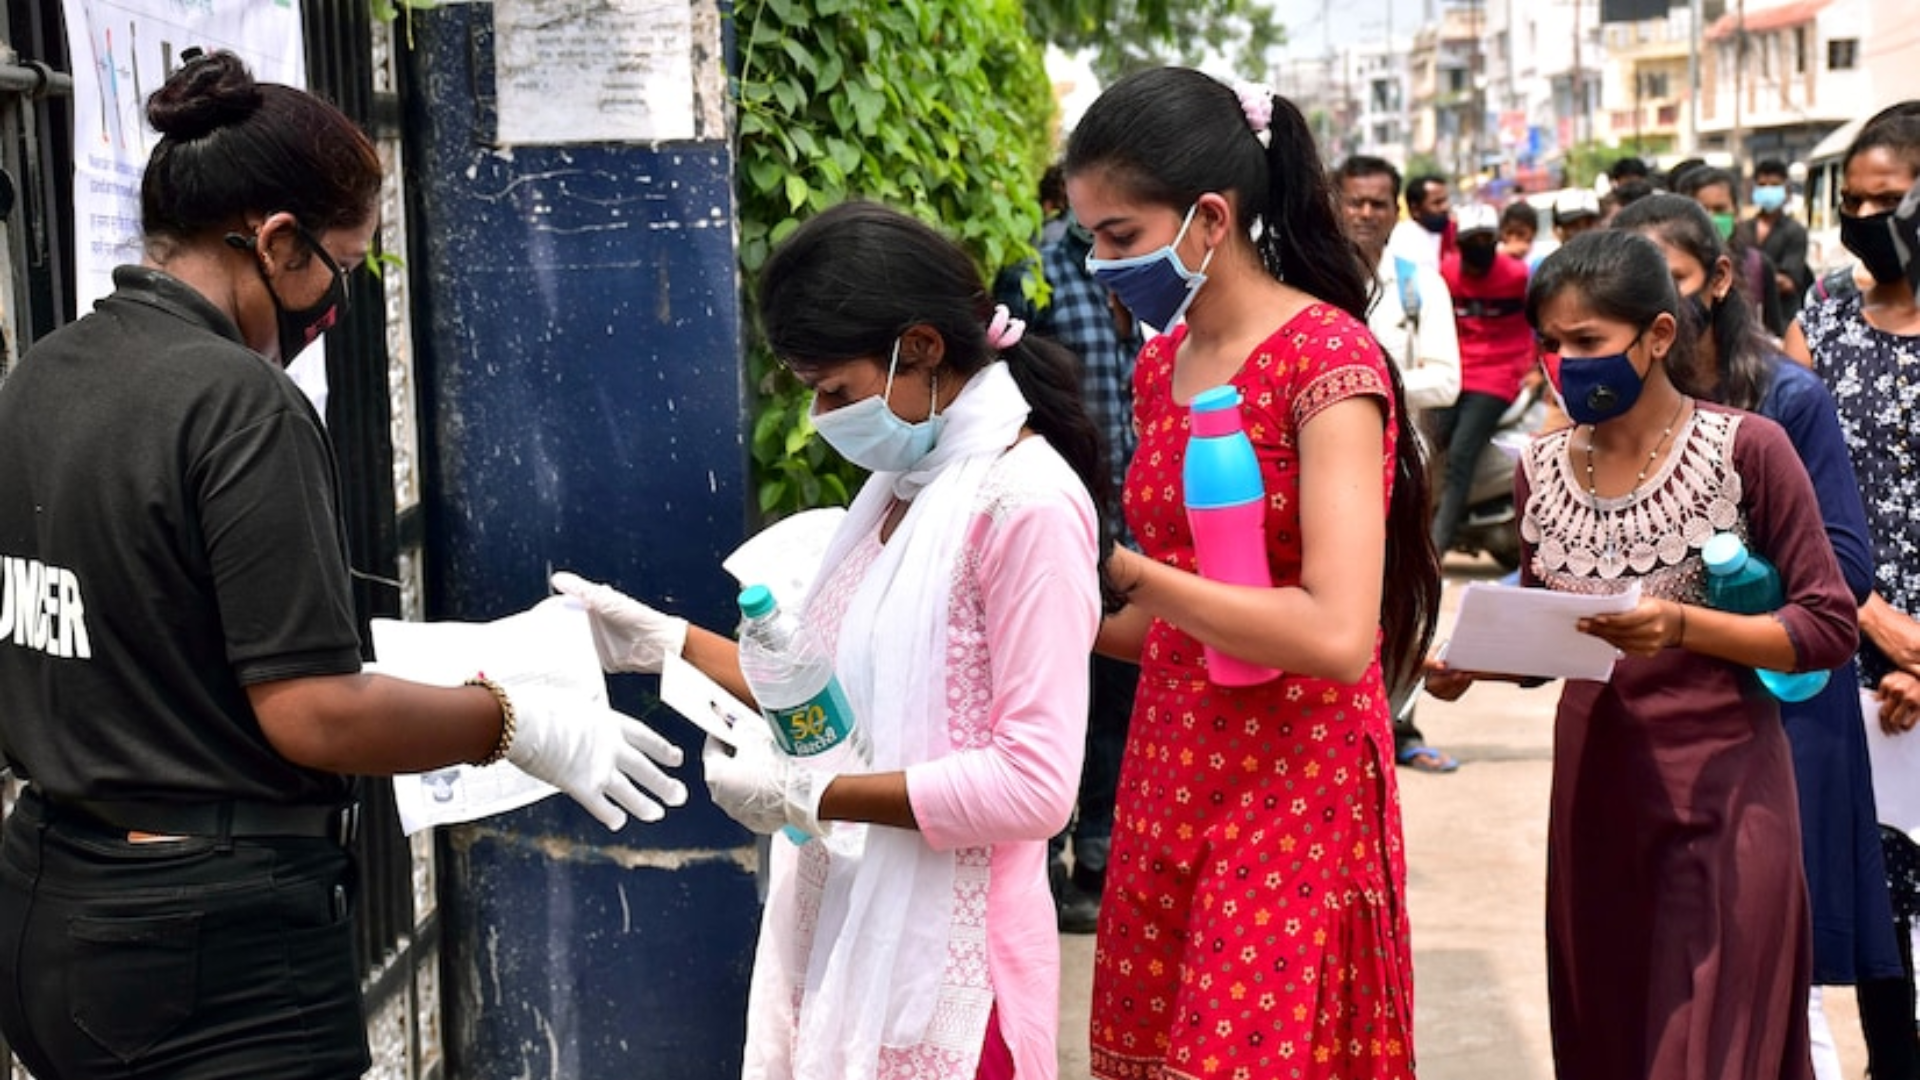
1724	553
1215	411
756	600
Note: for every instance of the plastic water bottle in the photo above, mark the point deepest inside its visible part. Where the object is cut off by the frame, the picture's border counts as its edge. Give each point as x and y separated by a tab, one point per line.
792	678
1227	510
1745	583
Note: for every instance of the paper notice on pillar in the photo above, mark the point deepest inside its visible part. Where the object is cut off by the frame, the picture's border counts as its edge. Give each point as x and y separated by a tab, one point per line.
1896	770
550	644
575	71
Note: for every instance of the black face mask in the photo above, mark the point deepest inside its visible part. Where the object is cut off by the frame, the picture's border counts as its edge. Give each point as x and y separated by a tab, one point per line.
1703	307
1433	223
1477	258
297	327
1871	238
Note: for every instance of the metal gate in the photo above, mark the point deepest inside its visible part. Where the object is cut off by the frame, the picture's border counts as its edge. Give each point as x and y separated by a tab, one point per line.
370	413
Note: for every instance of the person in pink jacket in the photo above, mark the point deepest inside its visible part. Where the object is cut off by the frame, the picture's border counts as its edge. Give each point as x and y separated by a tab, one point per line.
960	599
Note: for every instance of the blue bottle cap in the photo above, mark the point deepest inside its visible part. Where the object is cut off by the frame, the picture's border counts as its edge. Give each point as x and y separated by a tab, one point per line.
755	601
1725	553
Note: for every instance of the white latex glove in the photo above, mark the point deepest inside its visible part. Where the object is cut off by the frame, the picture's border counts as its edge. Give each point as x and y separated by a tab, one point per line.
761	787
629	635
600	757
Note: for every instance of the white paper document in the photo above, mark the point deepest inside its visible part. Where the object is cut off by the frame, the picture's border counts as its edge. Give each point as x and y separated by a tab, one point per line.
1513	631
552	642
1896	770
691	694
785	556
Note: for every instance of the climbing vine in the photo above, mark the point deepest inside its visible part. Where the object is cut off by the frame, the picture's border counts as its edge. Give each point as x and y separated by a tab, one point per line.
941	108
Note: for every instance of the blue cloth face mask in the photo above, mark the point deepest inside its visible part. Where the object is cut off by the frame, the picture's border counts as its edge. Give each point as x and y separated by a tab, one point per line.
870	435
1769	197
1596	389
1157	286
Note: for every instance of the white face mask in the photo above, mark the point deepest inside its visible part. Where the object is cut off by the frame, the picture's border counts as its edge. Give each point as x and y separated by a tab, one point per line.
868	433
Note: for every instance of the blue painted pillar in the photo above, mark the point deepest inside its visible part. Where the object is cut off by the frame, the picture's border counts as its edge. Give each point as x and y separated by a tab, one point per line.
579	347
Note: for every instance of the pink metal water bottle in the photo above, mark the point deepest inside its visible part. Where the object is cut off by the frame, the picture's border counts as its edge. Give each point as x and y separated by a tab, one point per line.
1227	510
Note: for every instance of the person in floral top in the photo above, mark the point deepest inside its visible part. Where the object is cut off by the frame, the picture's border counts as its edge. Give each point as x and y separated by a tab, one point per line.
1254	922
1866	346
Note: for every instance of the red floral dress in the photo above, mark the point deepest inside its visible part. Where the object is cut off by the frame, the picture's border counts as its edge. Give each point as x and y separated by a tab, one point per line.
1254	922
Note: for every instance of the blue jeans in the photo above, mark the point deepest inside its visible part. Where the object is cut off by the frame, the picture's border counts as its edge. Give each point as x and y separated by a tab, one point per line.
1109	708
188	959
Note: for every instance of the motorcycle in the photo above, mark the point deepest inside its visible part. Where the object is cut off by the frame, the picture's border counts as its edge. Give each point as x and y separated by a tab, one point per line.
1491	524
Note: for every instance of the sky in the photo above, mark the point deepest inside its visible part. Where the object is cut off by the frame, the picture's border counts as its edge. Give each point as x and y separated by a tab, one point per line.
1315	26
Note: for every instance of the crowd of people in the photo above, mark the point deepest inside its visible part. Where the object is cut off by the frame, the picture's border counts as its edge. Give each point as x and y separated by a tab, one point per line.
1020	616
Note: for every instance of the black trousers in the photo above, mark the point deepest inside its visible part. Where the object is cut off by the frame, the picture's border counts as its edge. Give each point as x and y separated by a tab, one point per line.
187	959
1109	711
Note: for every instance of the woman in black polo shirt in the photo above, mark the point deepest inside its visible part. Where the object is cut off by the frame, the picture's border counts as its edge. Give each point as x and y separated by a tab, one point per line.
179	661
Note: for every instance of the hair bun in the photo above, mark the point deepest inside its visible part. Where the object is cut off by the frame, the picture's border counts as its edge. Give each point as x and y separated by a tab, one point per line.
208	91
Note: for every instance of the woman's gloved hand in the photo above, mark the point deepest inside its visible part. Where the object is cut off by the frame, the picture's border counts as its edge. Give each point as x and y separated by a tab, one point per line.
762	788
602	758
629	635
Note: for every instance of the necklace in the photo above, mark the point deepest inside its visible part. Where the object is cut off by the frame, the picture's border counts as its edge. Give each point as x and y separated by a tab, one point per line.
1610	557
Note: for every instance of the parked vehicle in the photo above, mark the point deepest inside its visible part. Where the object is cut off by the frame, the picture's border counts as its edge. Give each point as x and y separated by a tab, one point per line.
1491	525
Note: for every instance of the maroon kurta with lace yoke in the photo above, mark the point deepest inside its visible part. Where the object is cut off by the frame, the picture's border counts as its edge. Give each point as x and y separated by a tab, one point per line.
1678	937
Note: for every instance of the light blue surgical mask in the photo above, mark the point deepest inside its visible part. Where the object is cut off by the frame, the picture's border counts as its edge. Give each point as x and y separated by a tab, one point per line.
1769	197
870	435
1157	286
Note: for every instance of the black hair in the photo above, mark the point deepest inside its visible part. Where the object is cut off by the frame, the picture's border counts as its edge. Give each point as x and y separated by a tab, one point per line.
1680	169
1360	166
850	280
1770	167
1520	212
1621	275
1053	187
1631	190
1166	136
1700	177
230	146
1625	167
1895	129
1743	370
1418	187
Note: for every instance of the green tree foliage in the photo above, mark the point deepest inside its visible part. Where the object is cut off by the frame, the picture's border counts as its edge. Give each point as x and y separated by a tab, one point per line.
941	108
1130	35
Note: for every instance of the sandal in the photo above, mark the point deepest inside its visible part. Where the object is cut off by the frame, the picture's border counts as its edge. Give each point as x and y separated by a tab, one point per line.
1427	759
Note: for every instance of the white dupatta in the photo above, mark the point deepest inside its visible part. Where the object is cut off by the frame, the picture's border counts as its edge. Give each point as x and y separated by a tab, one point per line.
874	979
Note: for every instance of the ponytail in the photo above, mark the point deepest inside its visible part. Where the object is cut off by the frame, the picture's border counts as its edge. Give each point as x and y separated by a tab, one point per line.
1302	238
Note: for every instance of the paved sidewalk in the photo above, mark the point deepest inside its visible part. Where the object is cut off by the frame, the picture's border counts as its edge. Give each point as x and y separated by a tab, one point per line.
1476	842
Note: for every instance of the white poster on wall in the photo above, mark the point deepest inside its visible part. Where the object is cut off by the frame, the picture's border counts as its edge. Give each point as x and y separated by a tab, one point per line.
122	51
572	71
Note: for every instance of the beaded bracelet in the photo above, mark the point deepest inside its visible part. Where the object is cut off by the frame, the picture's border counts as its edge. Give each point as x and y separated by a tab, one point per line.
506	720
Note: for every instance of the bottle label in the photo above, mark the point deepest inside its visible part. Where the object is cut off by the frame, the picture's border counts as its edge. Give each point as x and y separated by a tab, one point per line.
814	726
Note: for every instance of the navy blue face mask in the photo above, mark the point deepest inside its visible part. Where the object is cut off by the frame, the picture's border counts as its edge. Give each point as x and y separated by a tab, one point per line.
1157	286
1598	388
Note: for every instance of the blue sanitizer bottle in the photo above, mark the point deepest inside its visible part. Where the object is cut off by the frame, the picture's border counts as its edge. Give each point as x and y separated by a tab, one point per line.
1745	583
1227	510
792	678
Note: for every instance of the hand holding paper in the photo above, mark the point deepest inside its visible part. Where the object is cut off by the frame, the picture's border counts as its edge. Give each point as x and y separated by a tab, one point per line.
1533	632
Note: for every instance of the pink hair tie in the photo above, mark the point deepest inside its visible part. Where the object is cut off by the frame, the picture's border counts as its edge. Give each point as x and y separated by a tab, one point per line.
1004	331
1256	101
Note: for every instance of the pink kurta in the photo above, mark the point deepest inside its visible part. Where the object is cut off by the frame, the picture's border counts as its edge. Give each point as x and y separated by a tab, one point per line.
1024	609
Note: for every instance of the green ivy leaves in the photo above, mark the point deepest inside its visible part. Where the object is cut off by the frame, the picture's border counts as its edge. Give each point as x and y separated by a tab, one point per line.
941	108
